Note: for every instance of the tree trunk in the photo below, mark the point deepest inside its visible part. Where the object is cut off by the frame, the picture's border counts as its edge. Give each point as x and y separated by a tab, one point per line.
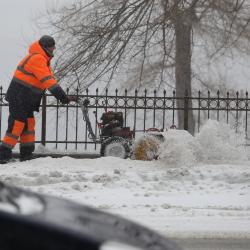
183	74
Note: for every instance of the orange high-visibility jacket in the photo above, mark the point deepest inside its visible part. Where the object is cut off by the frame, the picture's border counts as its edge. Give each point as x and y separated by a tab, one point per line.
31	78
34	70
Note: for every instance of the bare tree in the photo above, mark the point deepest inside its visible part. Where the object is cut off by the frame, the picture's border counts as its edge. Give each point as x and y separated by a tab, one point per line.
146	42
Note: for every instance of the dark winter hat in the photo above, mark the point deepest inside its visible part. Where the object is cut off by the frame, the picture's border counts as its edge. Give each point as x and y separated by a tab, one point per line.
47	41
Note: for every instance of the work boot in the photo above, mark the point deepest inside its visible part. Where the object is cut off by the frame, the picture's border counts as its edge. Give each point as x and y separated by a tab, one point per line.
5	154
26	153
26	157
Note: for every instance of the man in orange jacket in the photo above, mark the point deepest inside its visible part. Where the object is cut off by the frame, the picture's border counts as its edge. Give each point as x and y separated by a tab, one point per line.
32	78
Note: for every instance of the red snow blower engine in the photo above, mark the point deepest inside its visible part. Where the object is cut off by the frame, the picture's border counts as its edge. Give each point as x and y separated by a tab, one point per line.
115	139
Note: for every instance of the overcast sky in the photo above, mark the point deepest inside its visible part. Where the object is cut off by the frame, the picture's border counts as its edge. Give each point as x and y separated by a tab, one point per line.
18	29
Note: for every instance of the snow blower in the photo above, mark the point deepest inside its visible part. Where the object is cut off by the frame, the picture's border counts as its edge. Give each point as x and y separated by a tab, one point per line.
117	140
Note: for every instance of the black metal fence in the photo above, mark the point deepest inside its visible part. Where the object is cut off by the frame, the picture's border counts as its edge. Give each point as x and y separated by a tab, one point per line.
62	125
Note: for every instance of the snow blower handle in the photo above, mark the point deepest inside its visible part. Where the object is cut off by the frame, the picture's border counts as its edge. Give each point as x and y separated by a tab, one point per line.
84	107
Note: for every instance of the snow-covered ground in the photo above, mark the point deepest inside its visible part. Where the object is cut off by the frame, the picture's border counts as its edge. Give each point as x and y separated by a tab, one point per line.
199	187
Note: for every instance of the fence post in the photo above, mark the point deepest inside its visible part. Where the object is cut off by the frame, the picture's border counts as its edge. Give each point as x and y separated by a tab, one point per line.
43	133
186	110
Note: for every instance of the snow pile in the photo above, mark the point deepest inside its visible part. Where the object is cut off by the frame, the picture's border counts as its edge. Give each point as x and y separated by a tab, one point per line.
180	148
220	142
215	142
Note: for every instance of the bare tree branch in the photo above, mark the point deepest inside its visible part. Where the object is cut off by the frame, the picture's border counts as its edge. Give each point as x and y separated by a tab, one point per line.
101	41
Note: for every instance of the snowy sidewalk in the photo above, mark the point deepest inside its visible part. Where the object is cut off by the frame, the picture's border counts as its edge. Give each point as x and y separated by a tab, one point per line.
205	200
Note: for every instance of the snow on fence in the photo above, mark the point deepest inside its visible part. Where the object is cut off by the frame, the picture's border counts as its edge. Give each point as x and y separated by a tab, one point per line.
62	126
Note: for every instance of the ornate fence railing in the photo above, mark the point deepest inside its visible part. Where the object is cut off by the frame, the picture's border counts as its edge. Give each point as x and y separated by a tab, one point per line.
62	125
